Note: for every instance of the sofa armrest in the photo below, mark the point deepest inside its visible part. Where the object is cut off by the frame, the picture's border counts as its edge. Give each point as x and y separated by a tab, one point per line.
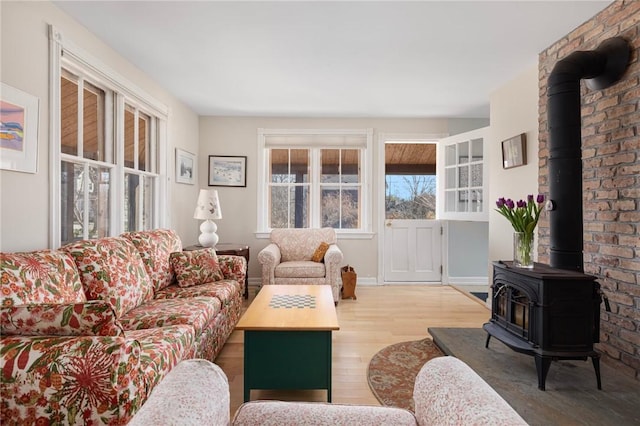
70	380
92	318
277	413
269	257
234	268
195	392
448	391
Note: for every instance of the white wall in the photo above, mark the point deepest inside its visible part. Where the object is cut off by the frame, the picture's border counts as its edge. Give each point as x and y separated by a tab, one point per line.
514	110
24	197
238	136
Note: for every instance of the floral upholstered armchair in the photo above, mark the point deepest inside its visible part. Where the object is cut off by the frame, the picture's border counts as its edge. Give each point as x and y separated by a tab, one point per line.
302	256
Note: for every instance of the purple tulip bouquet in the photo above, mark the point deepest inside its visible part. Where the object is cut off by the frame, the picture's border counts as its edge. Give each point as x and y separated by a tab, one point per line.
523	217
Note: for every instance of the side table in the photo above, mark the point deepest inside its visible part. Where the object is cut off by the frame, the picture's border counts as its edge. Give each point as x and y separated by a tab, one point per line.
232	249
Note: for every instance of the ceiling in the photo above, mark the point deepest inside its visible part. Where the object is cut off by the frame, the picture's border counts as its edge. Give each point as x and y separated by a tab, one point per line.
332	59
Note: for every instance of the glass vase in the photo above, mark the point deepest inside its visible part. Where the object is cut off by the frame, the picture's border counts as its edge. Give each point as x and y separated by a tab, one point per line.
523	249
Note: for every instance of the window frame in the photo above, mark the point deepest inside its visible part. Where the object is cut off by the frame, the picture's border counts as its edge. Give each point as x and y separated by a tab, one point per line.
64	54
263	228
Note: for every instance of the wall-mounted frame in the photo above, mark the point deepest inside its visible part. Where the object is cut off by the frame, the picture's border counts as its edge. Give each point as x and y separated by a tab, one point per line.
227	170
514	151
185	166
18	130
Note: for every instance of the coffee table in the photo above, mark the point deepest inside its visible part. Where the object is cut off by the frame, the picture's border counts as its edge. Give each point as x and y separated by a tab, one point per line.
287	338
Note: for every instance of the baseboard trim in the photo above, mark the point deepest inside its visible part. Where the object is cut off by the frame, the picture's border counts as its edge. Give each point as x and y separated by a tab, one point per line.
484	281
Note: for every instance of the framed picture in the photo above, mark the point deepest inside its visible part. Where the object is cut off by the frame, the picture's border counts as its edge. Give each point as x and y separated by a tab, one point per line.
18	130
227	170
185	167
514	151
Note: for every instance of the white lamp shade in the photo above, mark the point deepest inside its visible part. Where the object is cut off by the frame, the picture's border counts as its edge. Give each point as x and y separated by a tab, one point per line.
208	206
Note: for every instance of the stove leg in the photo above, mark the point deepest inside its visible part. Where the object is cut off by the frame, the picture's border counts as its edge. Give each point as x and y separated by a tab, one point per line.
542	367
596	366
486	344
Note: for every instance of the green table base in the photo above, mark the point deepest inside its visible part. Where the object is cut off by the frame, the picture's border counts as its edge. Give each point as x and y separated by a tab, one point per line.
287	360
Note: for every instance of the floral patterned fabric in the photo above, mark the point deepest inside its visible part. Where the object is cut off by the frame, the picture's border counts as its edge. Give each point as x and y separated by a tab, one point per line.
47	276
179	399
196	312
161	349
111	269
70	380
224	290
155	247
300	268
196	267
299	245
234	268
81	379
277	413
448	391
93	318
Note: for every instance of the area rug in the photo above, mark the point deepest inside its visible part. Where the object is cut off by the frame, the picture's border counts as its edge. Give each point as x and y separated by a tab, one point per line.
392	371
480	295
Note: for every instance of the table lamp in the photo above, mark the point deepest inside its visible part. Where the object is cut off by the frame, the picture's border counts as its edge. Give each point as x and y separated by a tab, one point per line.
207	209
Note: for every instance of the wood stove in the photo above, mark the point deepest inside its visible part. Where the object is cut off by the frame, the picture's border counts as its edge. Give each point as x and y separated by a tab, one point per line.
546	312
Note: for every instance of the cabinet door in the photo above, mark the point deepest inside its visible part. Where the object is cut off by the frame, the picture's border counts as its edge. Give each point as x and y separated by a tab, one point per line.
463	182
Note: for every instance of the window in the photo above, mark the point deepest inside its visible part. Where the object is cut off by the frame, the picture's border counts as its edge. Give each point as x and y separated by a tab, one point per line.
108	140
314	178
464	185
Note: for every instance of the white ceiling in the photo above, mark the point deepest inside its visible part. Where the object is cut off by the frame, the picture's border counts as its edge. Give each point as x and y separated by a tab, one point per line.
332	59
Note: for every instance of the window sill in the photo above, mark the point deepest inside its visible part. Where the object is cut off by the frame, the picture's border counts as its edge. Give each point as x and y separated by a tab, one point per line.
342	235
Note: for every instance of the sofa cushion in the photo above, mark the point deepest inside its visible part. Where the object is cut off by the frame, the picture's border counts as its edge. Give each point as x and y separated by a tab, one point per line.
46	276
196	312
161	349
155	247
224	290
276	413
92	318
300	244
301	268
111	269
196	267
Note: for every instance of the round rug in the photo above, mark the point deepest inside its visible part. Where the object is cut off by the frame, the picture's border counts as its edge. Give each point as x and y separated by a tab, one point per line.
392	371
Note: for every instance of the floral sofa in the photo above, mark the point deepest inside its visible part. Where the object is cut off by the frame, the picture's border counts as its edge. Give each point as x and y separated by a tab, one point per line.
446	392
302	256
90	329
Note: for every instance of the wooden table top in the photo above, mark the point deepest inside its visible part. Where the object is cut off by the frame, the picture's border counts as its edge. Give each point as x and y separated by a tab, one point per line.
291	308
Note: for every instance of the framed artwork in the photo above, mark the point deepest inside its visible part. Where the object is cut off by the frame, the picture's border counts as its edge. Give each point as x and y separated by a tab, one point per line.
227	170
514	151
185	167
18	130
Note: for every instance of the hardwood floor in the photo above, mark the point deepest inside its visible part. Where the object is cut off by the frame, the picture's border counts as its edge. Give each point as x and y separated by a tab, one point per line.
381	316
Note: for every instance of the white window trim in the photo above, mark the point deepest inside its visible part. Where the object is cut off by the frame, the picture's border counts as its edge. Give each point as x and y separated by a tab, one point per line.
263	230
134	95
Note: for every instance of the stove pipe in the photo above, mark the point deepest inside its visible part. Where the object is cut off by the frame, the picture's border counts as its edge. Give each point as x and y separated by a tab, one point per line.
602	67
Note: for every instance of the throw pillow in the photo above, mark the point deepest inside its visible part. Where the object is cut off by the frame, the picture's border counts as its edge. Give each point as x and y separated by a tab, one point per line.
196	267
93	318
318	255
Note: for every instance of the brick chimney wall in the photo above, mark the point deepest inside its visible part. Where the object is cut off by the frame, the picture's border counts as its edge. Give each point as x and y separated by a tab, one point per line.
611	180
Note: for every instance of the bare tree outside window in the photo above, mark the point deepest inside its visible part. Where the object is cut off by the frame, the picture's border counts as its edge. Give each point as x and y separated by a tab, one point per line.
410	196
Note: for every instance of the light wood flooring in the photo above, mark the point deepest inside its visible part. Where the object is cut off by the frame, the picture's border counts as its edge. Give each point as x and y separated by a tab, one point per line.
381	316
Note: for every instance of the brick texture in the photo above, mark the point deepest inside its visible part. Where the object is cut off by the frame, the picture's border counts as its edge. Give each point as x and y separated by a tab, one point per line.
611	178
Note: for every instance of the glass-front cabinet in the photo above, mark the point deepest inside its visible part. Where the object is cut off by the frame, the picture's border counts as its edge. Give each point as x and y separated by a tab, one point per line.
461	162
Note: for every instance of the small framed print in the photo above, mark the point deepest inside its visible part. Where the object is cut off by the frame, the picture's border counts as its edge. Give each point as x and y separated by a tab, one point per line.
185	166
18	130
227	170
514	151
